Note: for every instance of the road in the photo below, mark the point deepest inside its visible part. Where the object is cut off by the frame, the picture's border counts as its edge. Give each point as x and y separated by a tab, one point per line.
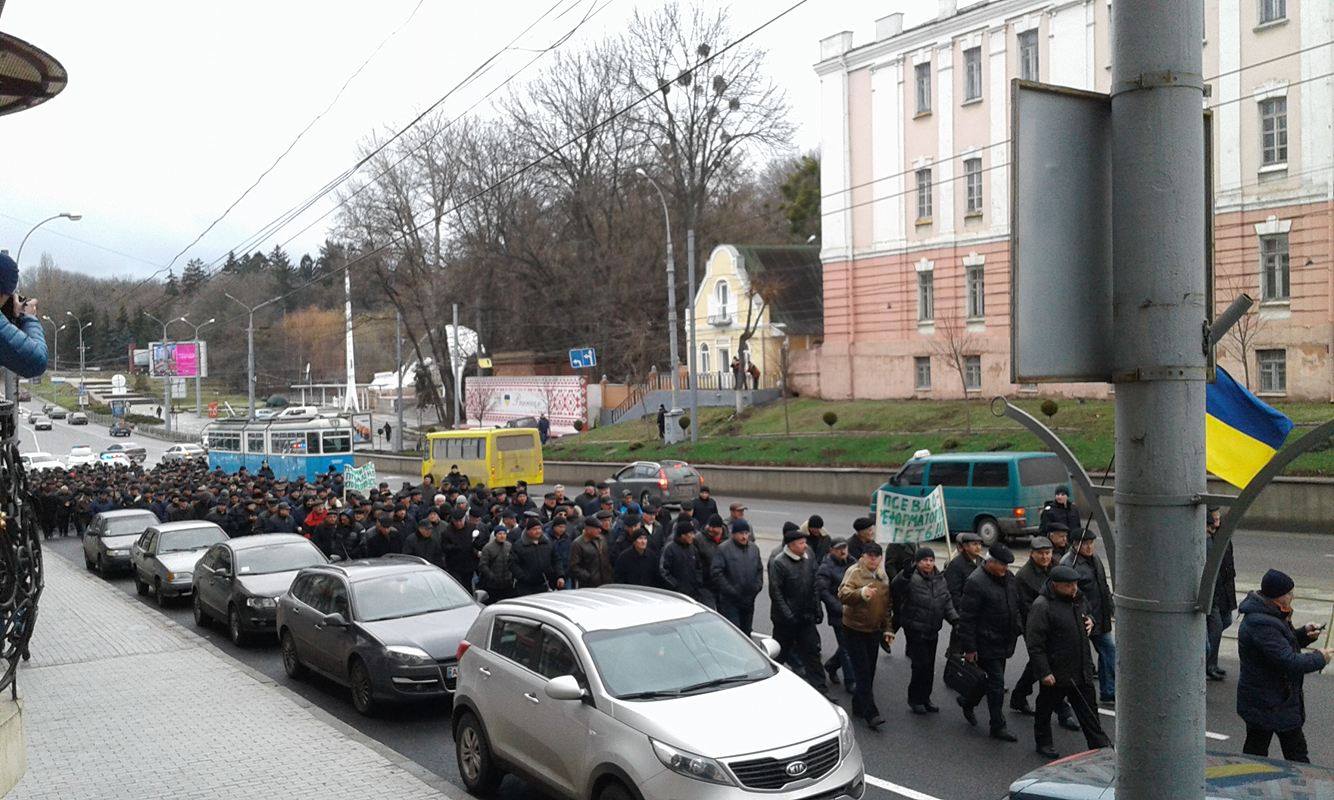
936	756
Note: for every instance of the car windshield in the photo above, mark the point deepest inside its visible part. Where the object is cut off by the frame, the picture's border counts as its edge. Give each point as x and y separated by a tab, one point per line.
81	451
680	656
123	526
277	558
190	539
407	595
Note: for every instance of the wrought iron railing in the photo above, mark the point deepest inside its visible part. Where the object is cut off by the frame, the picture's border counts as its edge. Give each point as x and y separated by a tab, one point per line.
21	580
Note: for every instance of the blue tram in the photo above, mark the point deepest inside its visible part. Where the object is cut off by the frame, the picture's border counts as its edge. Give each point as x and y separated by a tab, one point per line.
294	447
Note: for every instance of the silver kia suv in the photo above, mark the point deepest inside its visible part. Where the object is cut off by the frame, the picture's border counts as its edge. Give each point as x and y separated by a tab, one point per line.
626	693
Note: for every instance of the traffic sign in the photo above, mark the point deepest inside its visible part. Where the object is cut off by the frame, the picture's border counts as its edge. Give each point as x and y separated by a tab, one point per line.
118	385
213	410
583	358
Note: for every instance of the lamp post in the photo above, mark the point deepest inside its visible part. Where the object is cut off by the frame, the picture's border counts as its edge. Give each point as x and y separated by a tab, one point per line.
199	368
82	325
55	340
65	214
250	349
166	379
670	434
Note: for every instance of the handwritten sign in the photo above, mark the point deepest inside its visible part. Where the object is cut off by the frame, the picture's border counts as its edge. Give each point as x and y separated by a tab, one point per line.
902	518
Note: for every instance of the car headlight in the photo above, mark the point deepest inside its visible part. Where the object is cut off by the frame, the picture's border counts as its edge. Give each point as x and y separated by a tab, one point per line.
406	654
261	602
691	765
120	551
844	732
179	577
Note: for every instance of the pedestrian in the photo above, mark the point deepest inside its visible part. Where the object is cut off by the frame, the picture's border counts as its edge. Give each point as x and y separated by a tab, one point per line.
22	337
662	422
1057	638
867	606
384	538
388	433
590	561
863	534
754	376
707	543
1059	509
460	543
794	609
1098	599
1224	603
1270	697
817	540
922	605
493	568
637	566
738	374
678	566
532	562
738	576
543	428
1059	536
424	544
988	631
828	577
966	560
704	506
1031	580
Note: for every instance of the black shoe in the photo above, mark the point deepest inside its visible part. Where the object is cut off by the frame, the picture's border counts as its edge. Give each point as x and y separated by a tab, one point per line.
832	672
1220	670
1069	723
1213	675
967	712
931	708
1046	751
1019	705
1004	735
875	722
917	709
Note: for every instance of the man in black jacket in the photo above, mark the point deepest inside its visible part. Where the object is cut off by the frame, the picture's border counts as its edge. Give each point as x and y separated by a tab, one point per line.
590	563
384	538
737	572
704	506
1058	652
1062	510
1032	579
678	566
1225	599
795	609
461	551
922	605
828	577
424	544
988	630
1098	601
637	566
533	563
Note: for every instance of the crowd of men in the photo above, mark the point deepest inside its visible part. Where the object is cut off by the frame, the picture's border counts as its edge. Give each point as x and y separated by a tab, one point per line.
506	544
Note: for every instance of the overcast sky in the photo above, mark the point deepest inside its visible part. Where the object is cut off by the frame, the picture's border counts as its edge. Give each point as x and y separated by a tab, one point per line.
174	107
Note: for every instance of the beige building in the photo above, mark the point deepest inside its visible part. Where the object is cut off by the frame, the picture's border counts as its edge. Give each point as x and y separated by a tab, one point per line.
916	208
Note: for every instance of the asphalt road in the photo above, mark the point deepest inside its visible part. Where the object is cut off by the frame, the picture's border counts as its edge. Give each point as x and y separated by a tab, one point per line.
937	756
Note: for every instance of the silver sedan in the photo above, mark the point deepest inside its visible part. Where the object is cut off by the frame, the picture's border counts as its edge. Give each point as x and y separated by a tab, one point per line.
108	540
163	560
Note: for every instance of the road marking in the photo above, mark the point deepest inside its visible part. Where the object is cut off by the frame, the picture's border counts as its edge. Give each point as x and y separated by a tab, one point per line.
913	794
1218	737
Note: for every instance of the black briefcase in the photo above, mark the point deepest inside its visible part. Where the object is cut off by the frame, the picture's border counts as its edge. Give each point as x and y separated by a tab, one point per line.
965	678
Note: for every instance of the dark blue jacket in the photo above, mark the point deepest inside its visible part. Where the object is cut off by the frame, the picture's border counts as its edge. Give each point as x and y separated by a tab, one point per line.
23	346
1269	690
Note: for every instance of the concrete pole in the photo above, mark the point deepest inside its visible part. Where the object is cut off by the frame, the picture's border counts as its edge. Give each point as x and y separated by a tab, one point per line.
397	443
456	366
693	345
250	367
671	325
1158	227
350	401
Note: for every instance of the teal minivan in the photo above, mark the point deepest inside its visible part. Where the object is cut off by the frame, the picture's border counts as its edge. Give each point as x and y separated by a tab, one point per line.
995	495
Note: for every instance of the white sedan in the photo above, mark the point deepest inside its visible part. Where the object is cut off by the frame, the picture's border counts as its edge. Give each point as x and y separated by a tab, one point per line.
184	452
81	455
115	459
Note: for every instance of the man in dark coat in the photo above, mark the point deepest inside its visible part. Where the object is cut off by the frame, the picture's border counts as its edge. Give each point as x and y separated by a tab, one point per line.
637	566
1099	602
532	562
1225	600
863	533
662	421
794	608
1061	509
1058	653
460	549
703	506
707	543
281	522
384	538
1032	579
967	559
737	572
1059	536
1269	690
922	605
493	569
988	630
678	566
828	577
424	544
590	562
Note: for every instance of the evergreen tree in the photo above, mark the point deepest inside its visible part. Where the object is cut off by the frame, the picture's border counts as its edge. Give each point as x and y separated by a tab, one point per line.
193	277
231	266
284	277
306	271
801	199
172	289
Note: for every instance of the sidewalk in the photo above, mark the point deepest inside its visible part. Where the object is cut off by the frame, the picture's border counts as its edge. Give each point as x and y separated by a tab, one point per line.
120	702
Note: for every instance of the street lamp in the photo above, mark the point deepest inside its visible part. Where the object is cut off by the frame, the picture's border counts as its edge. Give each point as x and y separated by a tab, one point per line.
250	348
82	325
672	431
55	339
166	379
199	368
67	215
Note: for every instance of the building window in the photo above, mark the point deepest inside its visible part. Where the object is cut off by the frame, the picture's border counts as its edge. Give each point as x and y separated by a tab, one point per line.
721	294
923	73
972	74
1274	267
972	373
1273	10
926	297
922	372
923	194
972	174
1028	55
704	367
1274	131
1273	370
977	305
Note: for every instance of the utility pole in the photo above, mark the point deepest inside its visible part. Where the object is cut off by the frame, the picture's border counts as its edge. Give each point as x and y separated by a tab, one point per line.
55	340
670	433
82	326
1158	308
397	442
250	350
456	365
199	369
168	376
350	401
693	345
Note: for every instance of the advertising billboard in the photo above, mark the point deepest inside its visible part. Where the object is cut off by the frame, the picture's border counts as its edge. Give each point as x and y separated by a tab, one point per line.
177	360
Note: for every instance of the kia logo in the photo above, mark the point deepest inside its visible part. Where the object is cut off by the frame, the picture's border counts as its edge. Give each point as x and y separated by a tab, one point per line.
796	768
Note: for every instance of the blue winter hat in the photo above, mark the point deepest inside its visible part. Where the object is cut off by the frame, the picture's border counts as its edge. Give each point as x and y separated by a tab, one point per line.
9	274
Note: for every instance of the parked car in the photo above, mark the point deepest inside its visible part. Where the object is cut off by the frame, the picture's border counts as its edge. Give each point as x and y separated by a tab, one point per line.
1226	777
41	422
996	495
240	580
38	461
115	460
184	452
388	628
78	418
165	556
521	422
111	535
81	455
131	450
55	412
671	482
120	429
622	663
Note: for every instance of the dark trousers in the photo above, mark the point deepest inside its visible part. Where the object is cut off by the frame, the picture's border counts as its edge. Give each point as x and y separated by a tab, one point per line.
801	650
921	651
995	694
1024	687
742	616
1081	699
842	659
864	648
1293	743
1215	623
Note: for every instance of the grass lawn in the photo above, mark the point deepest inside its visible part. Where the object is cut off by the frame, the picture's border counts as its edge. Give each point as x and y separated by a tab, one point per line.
883	434
66	395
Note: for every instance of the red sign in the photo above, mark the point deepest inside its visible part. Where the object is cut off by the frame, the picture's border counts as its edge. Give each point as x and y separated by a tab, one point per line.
213	410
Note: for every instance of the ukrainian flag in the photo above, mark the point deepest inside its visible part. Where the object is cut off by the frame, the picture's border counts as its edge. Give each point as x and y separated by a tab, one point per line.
1241	432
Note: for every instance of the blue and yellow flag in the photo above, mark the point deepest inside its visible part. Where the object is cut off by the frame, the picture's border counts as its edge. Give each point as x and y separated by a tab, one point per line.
1241	432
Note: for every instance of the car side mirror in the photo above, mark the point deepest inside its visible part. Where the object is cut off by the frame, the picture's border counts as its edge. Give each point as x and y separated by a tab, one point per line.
893	480
768	644
481	596
334	620
565	687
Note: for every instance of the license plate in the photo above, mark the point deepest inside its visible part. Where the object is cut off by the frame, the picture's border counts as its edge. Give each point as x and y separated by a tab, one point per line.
451	671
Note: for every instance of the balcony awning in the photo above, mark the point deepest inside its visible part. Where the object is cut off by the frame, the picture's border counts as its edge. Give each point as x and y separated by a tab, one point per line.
28	75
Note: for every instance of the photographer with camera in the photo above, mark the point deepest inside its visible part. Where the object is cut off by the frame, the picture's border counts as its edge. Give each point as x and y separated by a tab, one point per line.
22	339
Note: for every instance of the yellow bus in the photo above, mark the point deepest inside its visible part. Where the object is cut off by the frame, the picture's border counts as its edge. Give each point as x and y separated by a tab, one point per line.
494	456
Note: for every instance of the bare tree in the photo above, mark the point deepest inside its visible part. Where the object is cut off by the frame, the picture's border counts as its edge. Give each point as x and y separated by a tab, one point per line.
479	398
1241	338
954	344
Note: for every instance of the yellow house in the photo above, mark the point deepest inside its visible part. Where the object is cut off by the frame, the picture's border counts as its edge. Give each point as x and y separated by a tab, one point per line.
772	293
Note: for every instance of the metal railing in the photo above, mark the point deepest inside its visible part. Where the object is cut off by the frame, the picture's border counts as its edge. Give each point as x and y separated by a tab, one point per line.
21	579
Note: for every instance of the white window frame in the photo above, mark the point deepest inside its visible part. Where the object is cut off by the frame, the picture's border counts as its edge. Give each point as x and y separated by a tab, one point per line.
1029	55
921	366
705	365
922	76
972	373
1275	268
977	290
924	204
972	172
722	294
926	296
972	74
1273	370
1271	11
1273	131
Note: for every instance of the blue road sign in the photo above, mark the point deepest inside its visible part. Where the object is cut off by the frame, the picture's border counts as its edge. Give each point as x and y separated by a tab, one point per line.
583	358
